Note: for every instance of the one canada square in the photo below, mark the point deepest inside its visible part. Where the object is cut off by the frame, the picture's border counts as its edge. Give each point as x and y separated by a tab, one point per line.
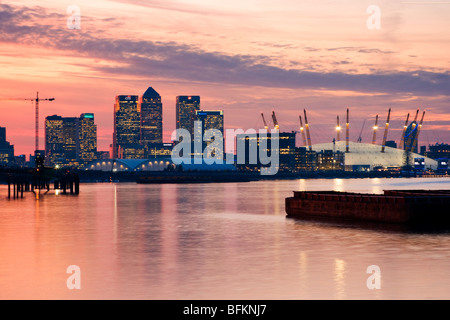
151	118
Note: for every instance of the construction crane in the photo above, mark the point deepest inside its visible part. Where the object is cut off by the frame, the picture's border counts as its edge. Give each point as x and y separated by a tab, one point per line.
275	121
264	121
307	130
36	101
360	134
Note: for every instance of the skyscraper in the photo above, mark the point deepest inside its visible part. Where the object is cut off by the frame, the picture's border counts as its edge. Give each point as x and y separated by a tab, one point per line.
210	119
54	140
70	141
151	118
6	149
87	135
127	120
186	108
2	134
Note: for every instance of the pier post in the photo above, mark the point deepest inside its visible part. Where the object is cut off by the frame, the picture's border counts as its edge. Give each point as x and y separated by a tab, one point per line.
9	187
71	183
77	184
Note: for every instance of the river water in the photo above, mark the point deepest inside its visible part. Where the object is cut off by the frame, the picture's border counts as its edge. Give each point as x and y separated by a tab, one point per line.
212	241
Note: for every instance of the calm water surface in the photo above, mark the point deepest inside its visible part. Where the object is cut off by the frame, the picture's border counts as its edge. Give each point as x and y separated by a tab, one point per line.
211	241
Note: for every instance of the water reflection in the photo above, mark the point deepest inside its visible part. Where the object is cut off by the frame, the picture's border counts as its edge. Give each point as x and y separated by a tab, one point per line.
339	278
211	241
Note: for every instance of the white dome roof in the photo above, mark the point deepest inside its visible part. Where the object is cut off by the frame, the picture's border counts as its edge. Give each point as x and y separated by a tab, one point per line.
370	154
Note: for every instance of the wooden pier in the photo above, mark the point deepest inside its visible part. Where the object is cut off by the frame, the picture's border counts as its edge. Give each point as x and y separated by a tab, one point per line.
39	181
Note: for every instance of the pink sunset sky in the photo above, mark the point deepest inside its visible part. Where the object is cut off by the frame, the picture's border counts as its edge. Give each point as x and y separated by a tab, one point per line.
245	57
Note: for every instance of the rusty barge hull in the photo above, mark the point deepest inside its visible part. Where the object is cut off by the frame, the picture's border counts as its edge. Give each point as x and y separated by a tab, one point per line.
417	207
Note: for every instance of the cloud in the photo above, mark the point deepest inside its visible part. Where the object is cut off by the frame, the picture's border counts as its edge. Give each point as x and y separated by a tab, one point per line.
171	60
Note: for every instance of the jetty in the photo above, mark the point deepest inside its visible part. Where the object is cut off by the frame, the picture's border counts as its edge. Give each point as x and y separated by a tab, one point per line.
39	180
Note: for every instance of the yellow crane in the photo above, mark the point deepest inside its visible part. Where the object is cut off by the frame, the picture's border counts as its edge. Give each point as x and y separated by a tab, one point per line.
36	101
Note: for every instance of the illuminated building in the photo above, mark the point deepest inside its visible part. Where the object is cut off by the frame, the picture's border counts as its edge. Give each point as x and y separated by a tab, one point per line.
186	107
6	149
70	141
131	151
439	151
305	159
151	117
87	135
286	150
158	150
54	140
127	120
329	160
210	119
364	156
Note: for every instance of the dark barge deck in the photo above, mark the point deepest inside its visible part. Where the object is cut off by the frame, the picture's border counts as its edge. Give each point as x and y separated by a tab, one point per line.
415	207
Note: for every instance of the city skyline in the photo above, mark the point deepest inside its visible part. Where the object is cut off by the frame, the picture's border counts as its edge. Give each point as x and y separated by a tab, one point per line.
320	56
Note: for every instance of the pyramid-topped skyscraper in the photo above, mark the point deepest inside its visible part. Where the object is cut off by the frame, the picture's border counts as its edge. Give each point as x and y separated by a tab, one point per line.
151	118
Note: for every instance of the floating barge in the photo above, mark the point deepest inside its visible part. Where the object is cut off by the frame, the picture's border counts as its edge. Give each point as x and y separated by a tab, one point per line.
415	207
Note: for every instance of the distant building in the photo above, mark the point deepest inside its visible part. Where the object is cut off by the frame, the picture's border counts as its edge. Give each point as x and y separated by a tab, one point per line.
158	150
330	160
305	159
127	121
6	149
151	118
2	134
87	135
391	144
186	107
250	144
103	155
54	140
363	156
210	119
423	150
131	151
20	160
70	141
439	151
